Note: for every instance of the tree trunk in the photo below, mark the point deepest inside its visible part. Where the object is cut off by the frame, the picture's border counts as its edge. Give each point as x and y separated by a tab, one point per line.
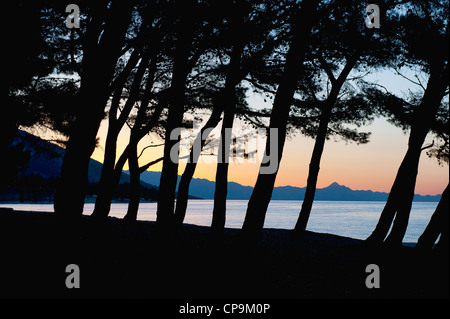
220	193
106	184
106	191
98	65
169	174
260	198
69	198
135	184
183	187
229	106
314	167
405	203
437	224
444	241
401	195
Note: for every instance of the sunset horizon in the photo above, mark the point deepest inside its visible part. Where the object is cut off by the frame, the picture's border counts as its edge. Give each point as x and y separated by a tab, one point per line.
225	157
372	166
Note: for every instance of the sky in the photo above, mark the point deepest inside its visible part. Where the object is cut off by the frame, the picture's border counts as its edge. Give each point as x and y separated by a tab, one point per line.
372	166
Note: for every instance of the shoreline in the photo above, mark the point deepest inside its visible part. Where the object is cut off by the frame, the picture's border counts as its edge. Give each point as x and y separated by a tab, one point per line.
131	260
409	243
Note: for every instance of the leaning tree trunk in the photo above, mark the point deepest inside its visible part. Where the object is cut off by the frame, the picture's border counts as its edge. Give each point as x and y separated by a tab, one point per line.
106	183
314	165
404	205
107	193
438	225
199	143
444	241
262	192
99	61
105	189
169	174
137	133
229	106
401	195
220	193
135	184
399	199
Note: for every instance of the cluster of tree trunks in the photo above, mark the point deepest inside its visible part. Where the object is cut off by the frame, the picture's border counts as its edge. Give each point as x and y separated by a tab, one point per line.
112	75
101	50
401	194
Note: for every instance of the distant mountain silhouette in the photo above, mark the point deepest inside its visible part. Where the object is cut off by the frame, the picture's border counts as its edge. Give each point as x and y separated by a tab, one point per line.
46	161
38	182
205	189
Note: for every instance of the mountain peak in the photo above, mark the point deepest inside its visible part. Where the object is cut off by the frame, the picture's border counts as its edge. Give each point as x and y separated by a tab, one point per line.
334	184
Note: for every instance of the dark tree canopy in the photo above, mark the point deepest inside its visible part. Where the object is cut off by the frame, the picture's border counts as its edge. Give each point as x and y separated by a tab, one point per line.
151	67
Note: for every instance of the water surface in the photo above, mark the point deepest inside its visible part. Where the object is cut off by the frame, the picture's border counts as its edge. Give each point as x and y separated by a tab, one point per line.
355	219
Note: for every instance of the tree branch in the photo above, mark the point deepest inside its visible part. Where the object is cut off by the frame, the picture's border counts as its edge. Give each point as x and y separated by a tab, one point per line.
149	146
327	69
406	78
428	146
146	166
259	86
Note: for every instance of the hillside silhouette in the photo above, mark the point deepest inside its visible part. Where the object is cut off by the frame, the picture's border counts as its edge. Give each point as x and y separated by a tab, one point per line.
204	188
39	180
46	161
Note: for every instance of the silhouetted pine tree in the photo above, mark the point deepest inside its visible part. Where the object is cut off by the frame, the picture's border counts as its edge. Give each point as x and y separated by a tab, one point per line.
260	198
438	225
102	46
430	56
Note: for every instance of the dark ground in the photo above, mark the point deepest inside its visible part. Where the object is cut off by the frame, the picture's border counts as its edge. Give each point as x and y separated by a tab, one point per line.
130	260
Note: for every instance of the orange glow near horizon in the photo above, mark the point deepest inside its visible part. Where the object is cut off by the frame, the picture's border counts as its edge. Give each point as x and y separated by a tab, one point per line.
372	166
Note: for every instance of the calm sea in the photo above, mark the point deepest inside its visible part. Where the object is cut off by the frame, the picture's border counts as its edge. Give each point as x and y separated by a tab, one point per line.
351	219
